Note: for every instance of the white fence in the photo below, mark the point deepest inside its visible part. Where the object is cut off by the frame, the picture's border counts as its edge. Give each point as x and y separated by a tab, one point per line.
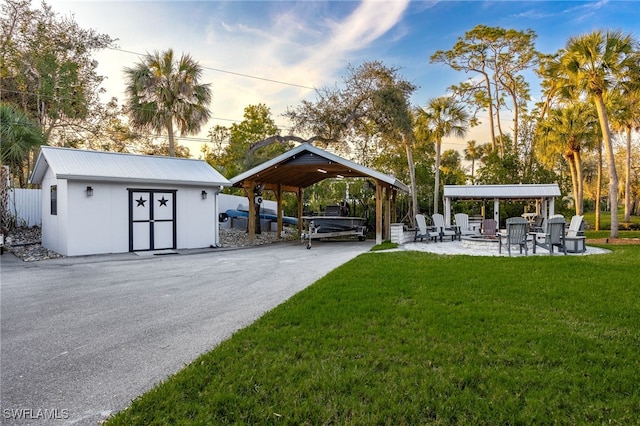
26	206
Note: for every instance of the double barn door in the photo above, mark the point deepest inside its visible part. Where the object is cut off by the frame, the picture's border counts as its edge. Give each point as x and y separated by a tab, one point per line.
152	219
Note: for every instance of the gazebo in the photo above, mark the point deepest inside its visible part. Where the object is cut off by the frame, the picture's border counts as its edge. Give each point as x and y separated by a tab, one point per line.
543	194
306	165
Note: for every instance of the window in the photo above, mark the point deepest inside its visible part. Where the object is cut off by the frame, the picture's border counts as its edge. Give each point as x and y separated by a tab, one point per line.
54	199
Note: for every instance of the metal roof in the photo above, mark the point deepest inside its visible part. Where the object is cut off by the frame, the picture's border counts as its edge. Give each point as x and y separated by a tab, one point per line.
514	192
306	165
77	164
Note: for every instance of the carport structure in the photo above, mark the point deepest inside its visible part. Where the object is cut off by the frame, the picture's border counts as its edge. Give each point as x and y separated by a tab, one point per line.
307	165
543	194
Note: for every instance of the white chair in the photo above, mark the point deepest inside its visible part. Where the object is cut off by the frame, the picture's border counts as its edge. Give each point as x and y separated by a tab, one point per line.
442	229
462	222
574	239
575	227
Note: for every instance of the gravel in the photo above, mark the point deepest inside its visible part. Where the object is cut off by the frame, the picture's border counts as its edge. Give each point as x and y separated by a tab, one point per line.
25	243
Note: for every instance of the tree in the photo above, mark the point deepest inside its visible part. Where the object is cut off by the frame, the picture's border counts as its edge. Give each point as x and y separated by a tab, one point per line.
231	151
443	117
451	165
500	169
20	136
597	64
568	131
394	119
371	107
625	119
46	67
498	55
472	153
163	92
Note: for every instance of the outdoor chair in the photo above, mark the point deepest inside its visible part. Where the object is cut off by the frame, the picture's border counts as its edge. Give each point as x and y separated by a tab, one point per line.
516	235
575	240
542	228
422	231
442	229
538	223
553	237
489	227
462	222
575	227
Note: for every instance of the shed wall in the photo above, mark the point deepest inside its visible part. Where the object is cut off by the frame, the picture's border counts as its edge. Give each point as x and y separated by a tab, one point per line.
100	224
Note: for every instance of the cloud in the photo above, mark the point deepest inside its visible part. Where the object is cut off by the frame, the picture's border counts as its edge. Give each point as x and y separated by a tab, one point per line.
305	44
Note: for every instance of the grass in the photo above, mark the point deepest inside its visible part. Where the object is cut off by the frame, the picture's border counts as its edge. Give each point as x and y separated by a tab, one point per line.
605	221
386	245
406	338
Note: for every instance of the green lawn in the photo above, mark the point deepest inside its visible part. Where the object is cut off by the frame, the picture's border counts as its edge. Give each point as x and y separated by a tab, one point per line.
407	338
605	221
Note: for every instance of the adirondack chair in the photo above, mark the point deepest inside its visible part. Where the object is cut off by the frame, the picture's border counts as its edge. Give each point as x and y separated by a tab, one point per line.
516	235
423	230
489	227
553	237
575	240
442	229
575	227
462	222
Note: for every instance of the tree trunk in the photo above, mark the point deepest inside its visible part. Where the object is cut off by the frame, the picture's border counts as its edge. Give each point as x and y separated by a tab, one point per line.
599	186
473	175
613	175
491	126
436	186
172	147
580	187
627	180
570	156
412	178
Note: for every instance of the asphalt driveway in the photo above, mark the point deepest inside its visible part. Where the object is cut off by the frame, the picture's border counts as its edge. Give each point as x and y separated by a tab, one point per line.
81	337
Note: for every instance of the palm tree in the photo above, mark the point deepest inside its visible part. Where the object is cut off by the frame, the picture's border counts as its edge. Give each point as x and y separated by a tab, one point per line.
472	153
568	131
20	137
443	117
596	64
162	93
625	119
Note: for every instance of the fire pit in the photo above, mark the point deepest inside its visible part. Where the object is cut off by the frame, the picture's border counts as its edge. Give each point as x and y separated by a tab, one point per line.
480	242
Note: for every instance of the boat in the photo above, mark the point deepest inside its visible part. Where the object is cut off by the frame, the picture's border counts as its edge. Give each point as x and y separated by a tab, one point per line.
335	222
267	214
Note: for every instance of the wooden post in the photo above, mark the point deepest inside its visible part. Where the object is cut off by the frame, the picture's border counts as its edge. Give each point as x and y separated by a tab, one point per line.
279	213
300	195
251	220
387	213
378	212
394	213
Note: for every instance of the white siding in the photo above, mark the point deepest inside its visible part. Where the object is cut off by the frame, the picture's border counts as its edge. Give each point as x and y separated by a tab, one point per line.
25	205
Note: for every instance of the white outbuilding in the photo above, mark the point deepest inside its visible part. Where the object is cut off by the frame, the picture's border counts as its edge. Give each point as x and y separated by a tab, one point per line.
104	202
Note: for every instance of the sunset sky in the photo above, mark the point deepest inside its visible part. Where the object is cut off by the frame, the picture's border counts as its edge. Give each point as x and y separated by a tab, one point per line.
276	52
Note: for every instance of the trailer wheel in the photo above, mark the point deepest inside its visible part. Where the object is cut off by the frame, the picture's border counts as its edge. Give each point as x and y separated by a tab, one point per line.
361	238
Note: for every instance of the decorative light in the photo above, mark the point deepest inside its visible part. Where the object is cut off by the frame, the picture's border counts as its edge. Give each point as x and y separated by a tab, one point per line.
204	194
89	191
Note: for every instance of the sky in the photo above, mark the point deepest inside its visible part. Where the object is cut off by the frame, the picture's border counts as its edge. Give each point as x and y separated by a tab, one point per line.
277	52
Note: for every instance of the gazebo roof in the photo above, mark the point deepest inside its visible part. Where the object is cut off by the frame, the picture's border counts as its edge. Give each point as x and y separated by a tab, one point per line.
306	165
512	192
